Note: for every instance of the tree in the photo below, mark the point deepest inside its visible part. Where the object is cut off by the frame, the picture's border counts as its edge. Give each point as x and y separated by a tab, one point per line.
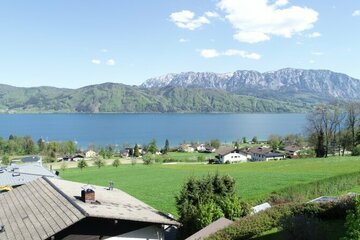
5	160
69	147
148	159
352	223
202	201
82	164
28	145
320	148
99	162
166	147
215	143
275	142
351	120
136	151
254	139
152	148
63	166
41	144
244	140
116	162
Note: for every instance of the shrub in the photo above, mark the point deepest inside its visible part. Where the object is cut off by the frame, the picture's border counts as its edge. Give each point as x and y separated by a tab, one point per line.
116	163
251	226
356	150
352	223
5	160
303	227
202	201
82	164
148	159
99	162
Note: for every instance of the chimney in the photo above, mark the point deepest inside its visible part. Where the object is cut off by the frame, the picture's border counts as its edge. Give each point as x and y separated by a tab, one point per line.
88	194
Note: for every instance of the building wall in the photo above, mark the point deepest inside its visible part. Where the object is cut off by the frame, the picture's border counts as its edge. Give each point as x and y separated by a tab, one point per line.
147	233
233	157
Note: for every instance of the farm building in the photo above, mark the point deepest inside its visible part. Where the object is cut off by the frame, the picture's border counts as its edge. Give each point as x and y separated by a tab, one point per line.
90	154
50	208
292	151
230	155
265	154
186	148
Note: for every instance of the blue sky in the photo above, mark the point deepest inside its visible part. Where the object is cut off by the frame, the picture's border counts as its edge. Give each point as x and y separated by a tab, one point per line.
71	43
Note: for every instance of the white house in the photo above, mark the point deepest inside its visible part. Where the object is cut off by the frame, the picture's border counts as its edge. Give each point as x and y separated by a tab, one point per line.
200	147
265	154
90	154
230	155
186	148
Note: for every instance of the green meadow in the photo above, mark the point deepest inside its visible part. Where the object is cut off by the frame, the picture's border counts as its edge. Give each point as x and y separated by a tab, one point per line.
158	184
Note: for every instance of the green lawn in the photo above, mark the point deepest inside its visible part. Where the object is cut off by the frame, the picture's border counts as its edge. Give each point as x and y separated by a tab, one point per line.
183	156
158	184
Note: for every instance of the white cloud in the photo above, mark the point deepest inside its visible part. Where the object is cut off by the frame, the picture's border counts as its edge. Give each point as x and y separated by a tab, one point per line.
258	20
186	19
243	54
314	35
184	40
281	3
356	13
209	53
104	50
96	61
212	14
317	53
212	53
110	62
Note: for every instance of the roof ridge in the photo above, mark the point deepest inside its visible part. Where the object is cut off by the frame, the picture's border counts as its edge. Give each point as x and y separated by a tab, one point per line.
81	210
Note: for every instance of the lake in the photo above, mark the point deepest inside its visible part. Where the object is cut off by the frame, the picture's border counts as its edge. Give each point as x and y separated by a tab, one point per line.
117	128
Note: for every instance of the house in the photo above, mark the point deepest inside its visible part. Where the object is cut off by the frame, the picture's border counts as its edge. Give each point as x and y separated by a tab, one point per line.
199	147
212	228
17	175
229	155
324	199
292	151
265	154
50	208
186	148
209	149
31	159
246	152
90	154
75	157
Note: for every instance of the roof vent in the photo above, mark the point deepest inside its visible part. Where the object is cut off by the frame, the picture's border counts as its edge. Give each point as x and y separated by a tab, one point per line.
88	194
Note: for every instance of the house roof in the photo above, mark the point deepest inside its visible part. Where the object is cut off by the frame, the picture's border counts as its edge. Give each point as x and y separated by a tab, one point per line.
261	207
219	224
114	204
35	211
28	159
260	150
15	175
292	148
225	150
44	207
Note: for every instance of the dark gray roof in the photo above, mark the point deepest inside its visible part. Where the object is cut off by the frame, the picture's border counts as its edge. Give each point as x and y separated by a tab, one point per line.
35	211
46	206
219	224
16	175
29	159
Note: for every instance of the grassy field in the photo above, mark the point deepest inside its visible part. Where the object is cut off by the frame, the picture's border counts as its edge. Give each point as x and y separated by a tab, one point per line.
158	184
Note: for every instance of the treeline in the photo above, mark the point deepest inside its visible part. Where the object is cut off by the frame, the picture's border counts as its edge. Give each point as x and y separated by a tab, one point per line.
334	131
15	146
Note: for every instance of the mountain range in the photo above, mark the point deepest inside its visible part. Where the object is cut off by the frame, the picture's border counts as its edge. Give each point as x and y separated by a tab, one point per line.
285	90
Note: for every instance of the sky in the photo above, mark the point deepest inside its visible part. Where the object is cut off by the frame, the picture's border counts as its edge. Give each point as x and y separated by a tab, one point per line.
72	44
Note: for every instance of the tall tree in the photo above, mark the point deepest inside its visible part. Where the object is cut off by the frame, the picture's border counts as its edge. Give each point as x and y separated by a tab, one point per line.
166	147
351	121
152	147
136	151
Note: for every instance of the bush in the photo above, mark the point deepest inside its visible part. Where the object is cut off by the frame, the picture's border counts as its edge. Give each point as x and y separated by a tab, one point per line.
116	163
5	160
352	223
303	227
251	226
202	201
148	159
356	150
99	162
82	164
